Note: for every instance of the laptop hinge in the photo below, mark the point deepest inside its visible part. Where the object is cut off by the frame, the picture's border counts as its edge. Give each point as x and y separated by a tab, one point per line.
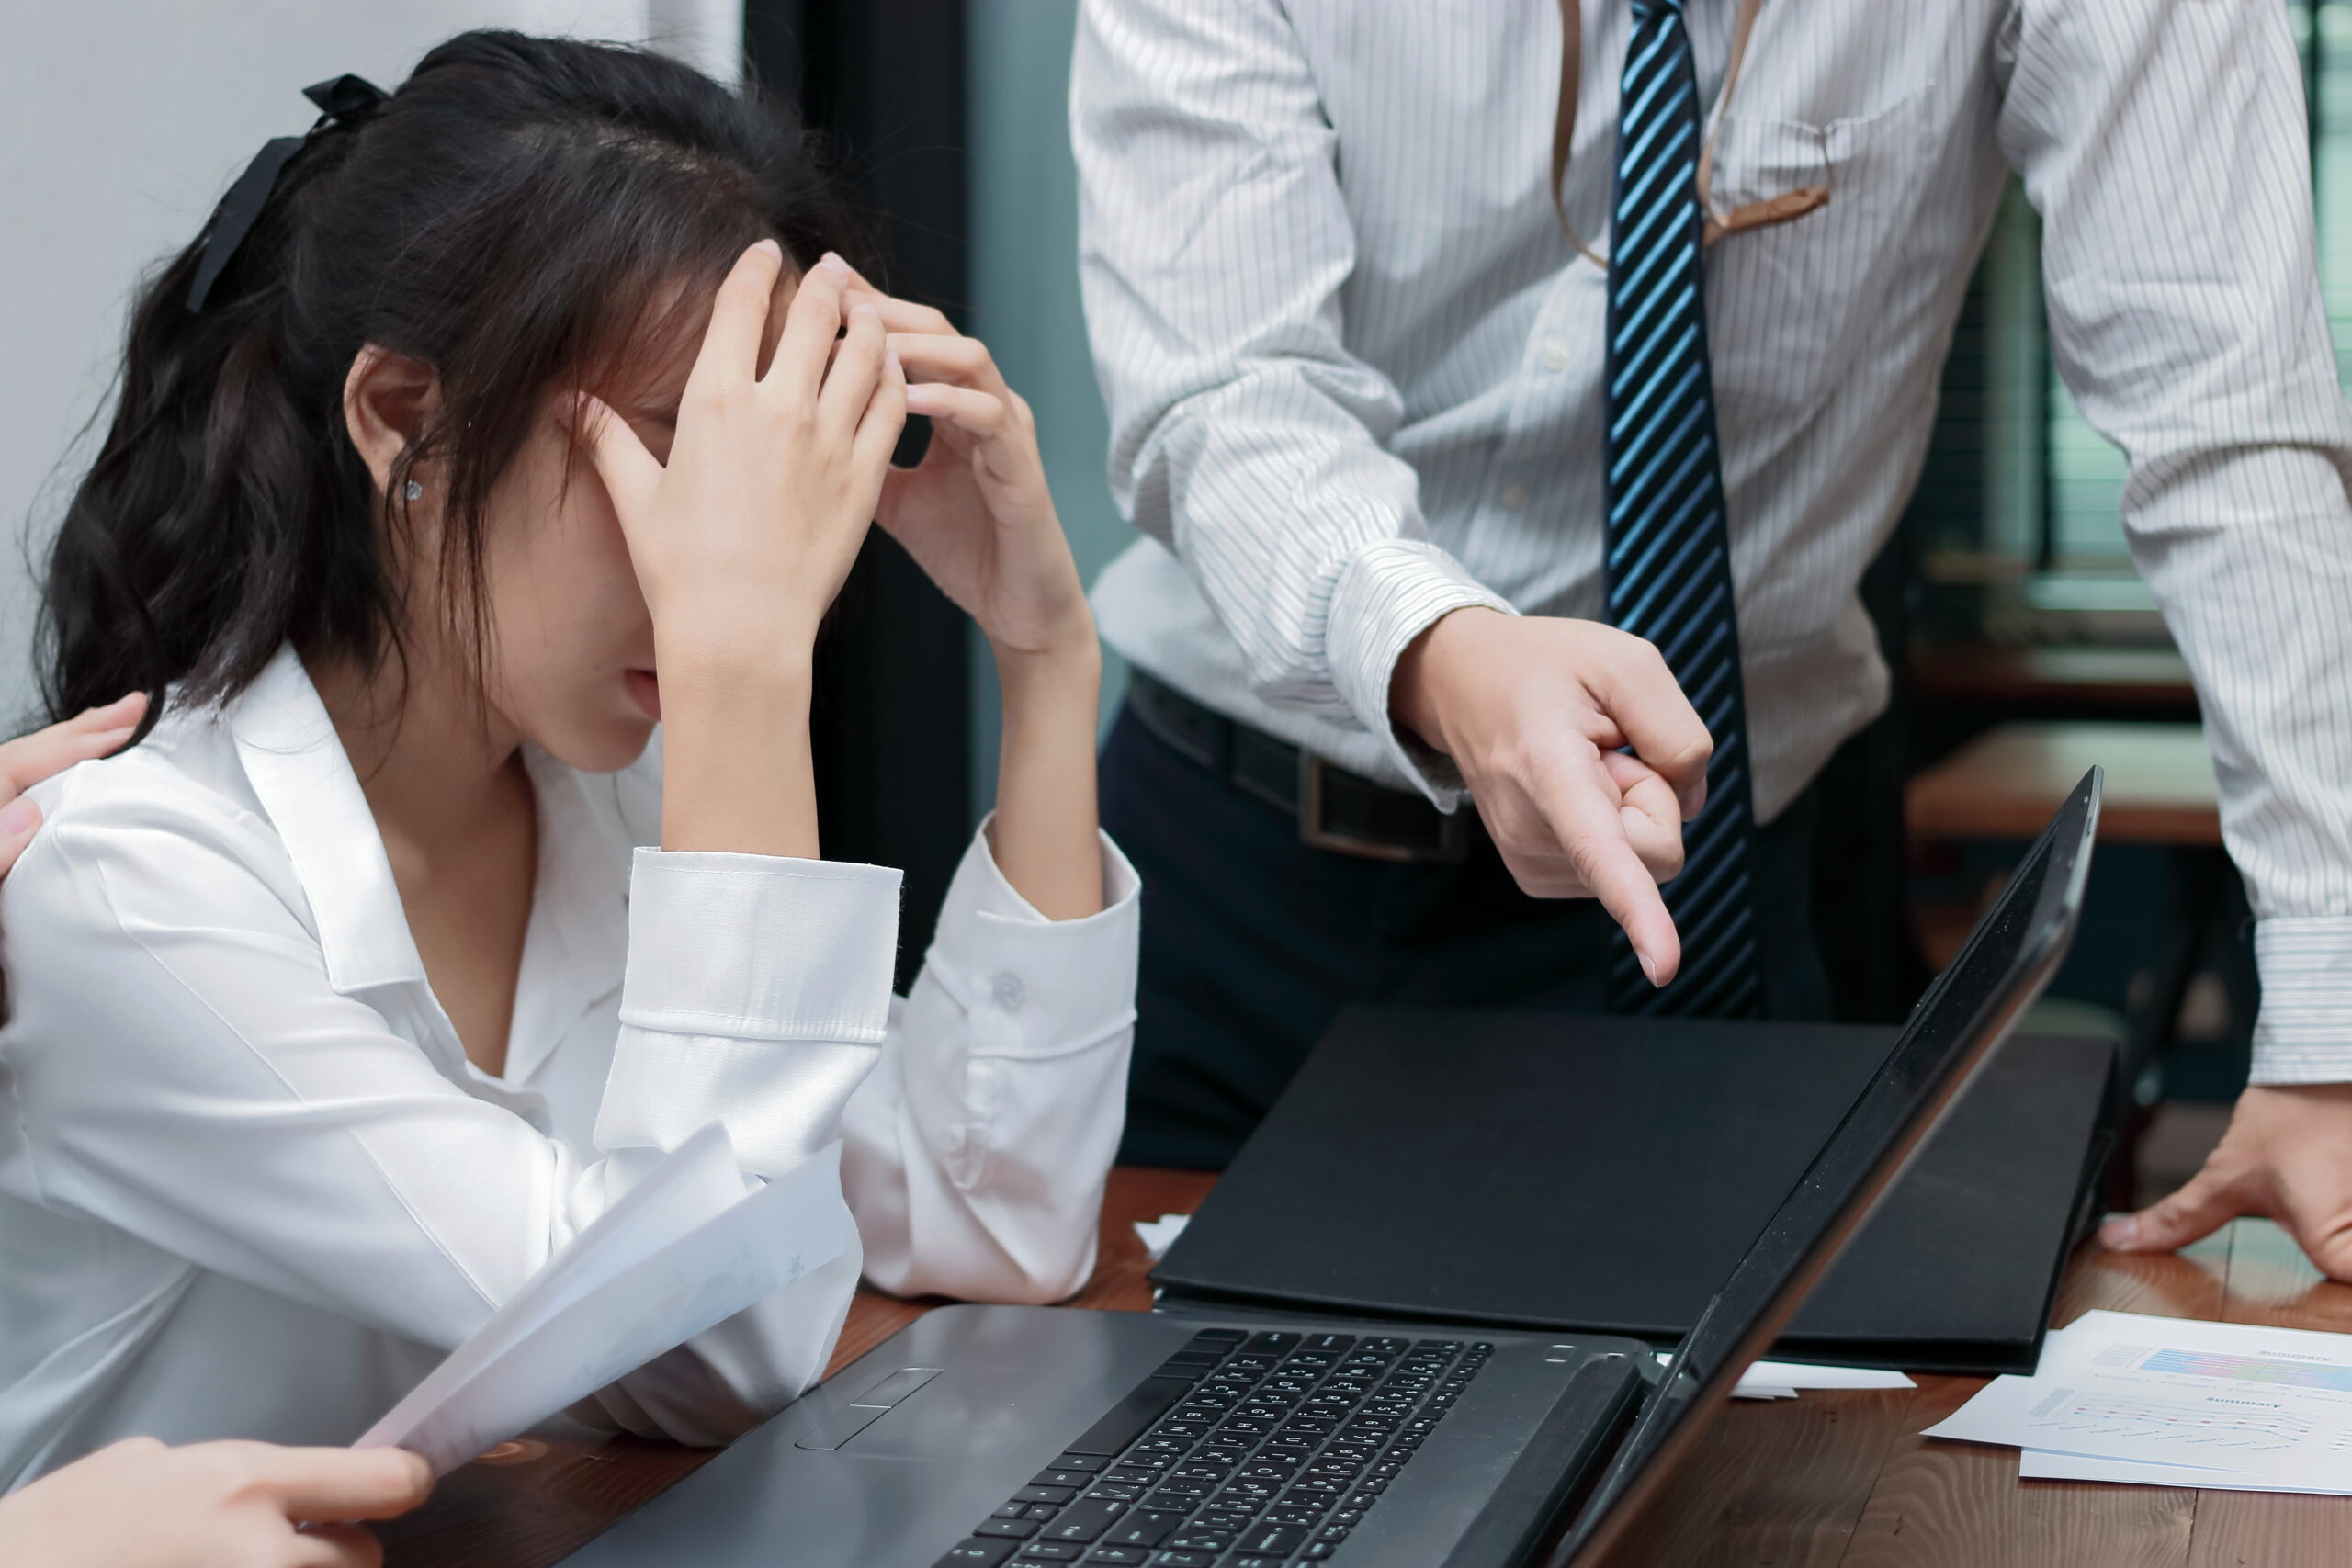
1561	1460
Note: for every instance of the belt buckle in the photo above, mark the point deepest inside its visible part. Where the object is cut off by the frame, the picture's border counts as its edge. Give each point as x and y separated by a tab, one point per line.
1454	831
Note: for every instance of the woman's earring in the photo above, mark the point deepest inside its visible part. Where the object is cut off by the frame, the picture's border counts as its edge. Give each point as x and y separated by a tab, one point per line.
414	490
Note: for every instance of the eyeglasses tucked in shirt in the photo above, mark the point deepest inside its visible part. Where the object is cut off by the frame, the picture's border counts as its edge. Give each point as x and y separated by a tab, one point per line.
1780	208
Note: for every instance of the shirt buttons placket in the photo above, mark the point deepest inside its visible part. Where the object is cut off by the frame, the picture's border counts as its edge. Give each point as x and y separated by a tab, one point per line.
1008	990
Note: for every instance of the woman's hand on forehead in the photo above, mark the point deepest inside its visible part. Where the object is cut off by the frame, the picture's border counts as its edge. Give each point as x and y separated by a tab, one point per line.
741	537
773	427
648	400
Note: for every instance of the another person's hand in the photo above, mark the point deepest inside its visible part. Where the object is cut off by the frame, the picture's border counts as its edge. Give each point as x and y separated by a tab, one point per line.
141	1504
26	760
2286	1156
1533	710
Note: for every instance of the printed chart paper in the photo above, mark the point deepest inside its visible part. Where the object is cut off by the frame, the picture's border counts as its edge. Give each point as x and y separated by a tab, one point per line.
2175	1403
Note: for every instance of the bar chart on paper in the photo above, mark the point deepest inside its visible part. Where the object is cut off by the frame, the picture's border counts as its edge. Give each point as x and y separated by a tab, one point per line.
2237	1369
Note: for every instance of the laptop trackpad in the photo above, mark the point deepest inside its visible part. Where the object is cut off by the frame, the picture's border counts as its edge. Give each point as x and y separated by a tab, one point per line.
867	1408
982	1405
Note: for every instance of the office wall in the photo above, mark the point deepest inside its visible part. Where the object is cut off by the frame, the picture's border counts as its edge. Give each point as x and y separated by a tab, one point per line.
120	123
1024	289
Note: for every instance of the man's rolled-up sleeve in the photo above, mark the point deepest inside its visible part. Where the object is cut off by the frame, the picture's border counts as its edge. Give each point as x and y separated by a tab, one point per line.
1214	241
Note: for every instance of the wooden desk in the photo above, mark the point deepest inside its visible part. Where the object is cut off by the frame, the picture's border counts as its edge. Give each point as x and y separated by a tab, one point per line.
1826	1479
2008	783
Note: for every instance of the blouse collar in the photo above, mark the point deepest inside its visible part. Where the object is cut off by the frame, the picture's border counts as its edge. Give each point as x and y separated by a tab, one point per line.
577	942
296	764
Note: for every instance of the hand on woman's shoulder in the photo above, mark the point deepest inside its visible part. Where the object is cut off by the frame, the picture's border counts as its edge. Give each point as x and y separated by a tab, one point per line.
166	830
32	760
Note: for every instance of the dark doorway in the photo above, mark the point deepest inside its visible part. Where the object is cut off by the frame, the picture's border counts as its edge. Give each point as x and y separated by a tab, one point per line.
891	727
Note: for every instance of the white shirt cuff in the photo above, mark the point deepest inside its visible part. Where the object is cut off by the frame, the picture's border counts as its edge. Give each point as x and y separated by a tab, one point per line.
2304	1031
1390	594
760	947
757	995
1034	987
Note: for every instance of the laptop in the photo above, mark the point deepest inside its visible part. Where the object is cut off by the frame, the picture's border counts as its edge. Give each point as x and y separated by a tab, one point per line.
983	1437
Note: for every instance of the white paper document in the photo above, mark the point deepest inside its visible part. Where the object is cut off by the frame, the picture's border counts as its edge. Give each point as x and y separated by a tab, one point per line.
688	1246
1157	1235
1784	1379
2170	1402
1802	1375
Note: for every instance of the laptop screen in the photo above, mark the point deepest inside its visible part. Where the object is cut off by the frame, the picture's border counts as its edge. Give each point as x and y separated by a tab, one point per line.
1966	1013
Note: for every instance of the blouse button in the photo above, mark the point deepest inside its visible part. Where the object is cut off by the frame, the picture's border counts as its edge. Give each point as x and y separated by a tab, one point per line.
1555	356
1009	991
1514	496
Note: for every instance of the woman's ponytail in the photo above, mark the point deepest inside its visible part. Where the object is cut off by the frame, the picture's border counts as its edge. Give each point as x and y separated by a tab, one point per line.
201	538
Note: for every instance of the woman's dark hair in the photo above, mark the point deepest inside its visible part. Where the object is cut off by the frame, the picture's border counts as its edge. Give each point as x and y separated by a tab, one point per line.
516	216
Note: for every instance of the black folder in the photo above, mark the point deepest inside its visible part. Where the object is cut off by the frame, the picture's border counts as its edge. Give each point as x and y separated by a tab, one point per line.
1605	1174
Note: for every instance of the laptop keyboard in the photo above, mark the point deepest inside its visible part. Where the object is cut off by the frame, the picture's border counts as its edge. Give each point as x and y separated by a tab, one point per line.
1243	1450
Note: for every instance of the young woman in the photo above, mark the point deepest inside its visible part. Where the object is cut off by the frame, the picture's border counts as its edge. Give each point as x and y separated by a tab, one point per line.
534	408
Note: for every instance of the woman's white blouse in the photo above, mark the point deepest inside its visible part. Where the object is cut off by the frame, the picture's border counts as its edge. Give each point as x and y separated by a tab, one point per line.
250	1185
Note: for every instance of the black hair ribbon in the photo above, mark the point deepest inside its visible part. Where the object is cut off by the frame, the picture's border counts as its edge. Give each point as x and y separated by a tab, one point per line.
345	100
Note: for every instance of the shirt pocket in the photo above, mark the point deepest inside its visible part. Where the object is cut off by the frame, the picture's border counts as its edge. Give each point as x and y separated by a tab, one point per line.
1790	305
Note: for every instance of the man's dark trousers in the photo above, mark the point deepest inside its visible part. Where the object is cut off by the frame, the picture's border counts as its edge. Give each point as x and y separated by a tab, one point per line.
1253	943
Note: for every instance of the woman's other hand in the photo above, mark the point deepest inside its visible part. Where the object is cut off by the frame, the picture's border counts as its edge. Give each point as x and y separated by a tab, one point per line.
976	514
978	518
141	1504
24	763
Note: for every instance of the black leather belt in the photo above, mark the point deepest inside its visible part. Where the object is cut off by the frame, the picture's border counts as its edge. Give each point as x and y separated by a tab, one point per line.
1337	810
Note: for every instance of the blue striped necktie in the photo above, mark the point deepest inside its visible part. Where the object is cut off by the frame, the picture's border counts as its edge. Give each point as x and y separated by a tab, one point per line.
1669	556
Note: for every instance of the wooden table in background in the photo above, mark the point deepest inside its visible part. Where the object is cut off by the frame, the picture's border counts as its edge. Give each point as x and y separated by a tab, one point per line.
2008	783
2146	680
1827	1479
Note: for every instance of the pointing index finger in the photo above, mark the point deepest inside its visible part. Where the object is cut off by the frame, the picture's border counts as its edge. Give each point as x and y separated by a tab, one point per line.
1584	818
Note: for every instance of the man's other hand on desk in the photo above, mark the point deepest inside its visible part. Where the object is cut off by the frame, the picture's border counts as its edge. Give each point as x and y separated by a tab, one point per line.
2288	1156
1533	711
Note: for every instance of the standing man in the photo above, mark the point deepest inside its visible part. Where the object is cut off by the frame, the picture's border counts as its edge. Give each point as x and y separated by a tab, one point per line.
1492	407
